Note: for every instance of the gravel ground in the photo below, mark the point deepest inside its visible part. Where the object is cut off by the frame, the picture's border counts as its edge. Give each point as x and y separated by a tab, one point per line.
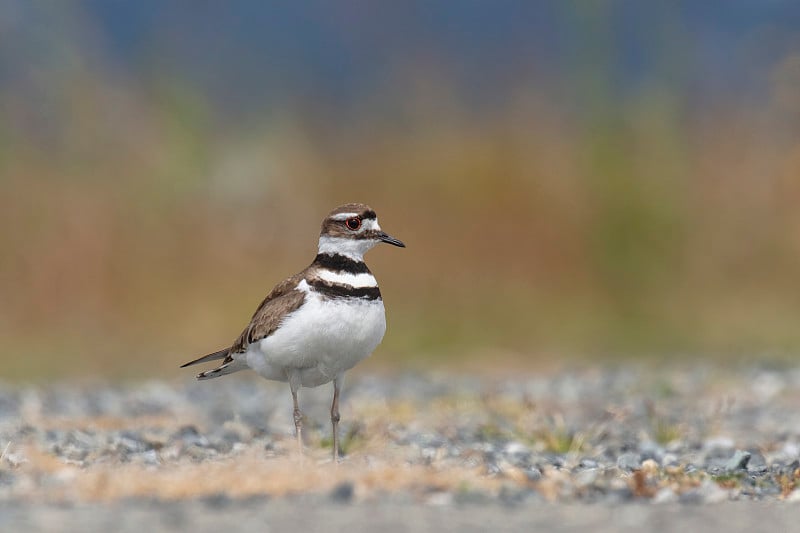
642	442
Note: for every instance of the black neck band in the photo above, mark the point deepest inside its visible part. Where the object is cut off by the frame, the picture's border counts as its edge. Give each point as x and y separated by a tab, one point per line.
340	263
335	290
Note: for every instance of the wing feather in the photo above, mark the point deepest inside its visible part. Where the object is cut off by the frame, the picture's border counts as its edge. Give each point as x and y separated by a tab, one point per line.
282	300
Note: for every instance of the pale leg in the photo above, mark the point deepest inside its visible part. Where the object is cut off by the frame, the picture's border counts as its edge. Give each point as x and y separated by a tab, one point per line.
335	417
298	421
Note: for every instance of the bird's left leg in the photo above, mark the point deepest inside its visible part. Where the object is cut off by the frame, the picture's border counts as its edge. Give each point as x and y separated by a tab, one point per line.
337	384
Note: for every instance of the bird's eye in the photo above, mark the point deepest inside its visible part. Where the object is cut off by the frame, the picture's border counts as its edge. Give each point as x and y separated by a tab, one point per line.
353	223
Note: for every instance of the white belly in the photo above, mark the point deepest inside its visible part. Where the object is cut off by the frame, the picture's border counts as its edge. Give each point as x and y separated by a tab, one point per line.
319	341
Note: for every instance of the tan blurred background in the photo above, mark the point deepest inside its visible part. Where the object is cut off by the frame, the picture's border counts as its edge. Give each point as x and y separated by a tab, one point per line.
572	180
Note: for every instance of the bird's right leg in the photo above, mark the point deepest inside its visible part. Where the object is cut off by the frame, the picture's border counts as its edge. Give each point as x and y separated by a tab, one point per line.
298	419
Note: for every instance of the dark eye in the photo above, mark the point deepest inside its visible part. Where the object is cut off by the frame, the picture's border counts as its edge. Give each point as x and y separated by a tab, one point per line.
353	223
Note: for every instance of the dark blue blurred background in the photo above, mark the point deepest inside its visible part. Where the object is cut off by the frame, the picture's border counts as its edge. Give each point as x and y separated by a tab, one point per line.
249	53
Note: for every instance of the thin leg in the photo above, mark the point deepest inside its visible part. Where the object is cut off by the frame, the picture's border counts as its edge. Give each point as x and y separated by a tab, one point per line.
335	418
298	421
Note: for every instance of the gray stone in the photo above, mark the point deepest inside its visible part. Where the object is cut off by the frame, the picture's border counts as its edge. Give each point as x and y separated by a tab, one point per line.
651	450
629	461
189	436
738	461
757	463
533	474
343	493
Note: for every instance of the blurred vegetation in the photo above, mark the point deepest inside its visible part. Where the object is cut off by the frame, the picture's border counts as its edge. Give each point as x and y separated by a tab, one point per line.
568	218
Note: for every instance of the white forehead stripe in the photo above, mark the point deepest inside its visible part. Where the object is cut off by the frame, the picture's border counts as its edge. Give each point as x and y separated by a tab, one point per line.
344	216
367	223
354	280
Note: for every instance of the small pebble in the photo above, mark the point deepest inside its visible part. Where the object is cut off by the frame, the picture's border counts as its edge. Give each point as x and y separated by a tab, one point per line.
738	461
629	461
343	493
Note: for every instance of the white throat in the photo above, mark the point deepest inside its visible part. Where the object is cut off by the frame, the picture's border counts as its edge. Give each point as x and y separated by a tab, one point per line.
352	248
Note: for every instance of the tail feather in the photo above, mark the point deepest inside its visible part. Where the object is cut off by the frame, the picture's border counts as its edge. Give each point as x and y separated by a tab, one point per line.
222	354
229	367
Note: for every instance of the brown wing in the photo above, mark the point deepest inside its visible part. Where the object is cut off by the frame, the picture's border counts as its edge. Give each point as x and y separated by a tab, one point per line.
282	300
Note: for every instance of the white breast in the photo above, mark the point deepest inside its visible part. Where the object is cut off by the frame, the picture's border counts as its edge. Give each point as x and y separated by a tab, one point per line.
321	340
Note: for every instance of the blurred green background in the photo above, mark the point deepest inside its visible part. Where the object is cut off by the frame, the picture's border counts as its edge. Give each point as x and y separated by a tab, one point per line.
588	179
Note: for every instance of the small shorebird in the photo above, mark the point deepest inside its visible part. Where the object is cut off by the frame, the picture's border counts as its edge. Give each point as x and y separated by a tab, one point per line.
314	326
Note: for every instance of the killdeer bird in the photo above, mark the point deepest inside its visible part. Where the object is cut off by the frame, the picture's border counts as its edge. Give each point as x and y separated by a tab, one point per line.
314	326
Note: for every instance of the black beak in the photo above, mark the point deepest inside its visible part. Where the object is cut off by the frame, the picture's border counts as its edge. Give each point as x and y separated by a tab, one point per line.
389	239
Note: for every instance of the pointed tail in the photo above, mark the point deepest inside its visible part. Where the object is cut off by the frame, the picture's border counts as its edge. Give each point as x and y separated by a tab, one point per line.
229	366
222	354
